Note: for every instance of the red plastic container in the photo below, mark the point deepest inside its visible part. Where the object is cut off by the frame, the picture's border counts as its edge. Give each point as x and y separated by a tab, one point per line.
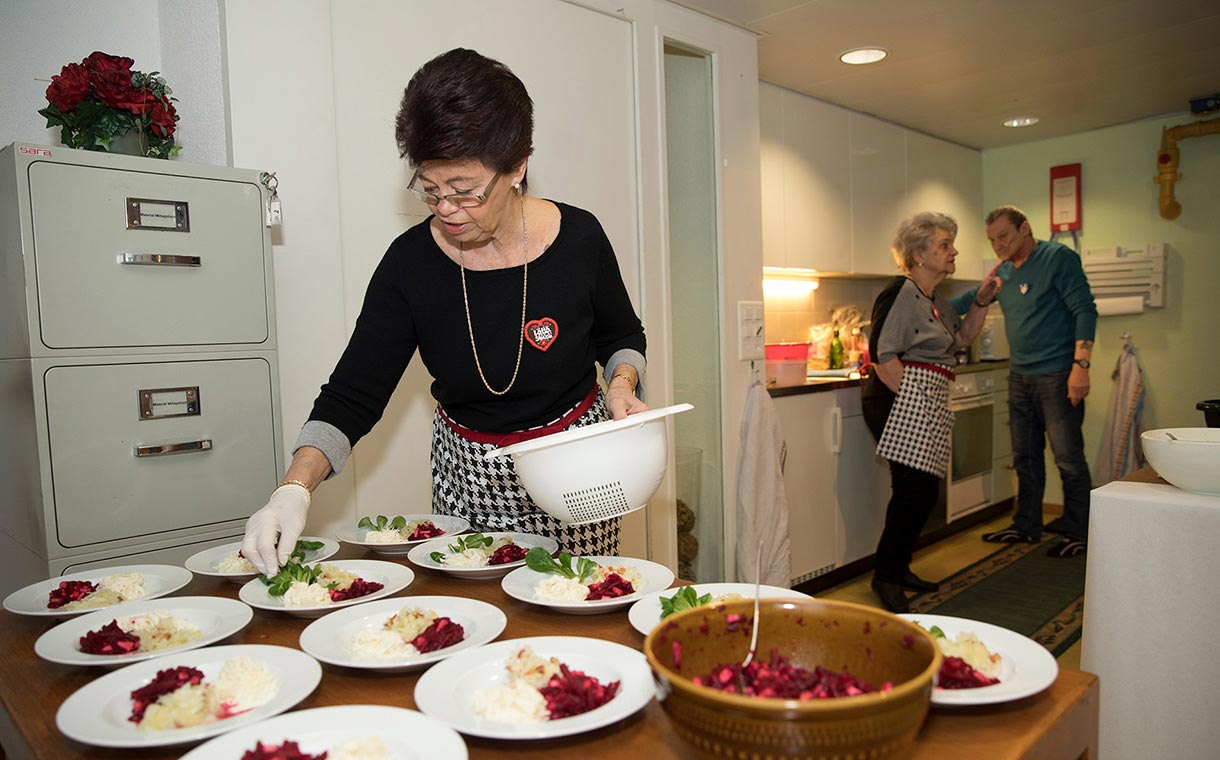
787	351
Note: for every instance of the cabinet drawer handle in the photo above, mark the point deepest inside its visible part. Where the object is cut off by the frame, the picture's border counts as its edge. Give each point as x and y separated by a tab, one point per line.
186	447
160	259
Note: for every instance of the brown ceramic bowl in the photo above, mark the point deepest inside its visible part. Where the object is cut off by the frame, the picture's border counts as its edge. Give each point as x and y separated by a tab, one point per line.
872	644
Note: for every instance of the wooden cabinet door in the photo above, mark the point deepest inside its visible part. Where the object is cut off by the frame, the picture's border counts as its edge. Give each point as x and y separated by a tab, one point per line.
878	192
817	185
948	178
809	482
771	159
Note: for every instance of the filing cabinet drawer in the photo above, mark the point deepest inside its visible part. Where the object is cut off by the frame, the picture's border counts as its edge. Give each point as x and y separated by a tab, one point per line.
129	259
139	449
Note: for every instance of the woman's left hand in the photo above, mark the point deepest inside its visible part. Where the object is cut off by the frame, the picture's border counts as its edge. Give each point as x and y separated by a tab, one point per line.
622	402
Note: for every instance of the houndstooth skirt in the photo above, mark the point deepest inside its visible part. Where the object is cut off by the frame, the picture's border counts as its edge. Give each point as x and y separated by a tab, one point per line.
917	432
488	493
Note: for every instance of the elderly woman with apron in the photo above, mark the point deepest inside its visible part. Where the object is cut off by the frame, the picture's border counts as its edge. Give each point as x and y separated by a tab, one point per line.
915	333
510	301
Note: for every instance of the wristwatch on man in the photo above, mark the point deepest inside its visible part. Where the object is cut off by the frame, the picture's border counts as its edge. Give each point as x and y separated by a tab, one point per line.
1082	362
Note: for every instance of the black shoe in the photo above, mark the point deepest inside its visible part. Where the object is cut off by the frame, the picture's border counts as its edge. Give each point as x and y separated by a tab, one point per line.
1009	535
915	583
1068	547
891	596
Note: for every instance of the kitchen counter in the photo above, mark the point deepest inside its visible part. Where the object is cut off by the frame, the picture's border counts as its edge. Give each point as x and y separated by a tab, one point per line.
1059	722
821	384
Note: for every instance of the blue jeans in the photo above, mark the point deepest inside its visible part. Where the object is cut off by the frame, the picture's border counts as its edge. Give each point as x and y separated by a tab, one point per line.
1039	408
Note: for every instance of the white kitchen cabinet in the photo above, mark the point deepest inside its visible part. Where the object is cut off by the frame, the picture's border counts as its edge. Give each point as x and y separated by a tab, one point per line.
772	155
862	481
817	185
809	482
945	177
878	192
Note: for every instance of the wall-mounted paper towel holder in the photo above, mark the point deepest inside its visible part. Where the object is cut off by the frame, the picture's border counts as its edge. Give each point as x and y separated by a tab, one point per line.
1126	278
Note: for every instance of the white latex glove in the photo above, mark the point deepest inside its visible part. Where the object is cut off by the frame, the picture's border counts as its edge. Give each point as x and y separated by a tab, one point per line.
284	514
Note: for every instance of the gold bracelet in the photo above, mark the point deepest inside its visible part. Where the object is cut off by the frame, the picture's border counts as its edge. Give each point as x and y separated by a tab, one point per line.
626	377
294	483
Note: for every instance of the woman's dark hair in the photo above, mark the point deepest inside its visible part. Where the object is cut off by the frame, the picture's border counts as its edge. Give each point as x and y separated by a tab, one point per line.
462	105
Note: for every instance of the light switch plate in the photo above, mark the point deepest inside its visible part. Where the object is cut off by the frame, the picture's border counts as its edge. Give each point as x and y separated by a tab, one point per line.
750	337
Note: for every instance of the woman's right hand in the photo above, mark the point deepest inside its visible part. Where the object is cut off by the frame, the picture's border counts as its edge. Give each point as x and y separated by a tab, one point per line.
889	373
282	517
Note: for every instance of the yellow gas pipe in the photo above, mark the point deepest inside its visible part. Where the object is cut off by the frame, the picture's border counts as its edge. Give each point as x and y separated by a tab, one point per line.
1167	161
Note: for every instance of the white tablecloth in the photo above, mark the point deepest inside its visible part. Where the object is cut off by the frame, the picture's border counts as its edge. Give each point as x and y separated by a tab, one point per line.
1152	620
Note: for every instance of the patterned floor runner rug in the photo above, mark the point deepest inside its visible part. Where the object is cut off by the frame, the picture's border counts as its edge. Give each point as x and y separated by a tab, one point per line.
1020	588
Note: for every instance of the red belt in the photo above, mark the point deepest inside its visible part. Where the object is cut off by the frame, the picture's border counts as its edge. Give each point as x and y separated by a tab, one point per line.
934	367
506	439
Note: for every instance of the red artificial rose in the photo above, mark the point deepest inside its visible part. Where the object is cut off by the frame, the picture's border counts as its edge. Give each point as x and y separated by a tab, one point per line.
163	118
114	89
99	61
69	87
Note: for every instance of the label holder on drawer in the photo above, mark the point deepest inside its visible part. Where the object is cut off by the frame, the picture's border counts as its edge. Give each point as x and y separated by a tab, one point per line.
158	215
161	403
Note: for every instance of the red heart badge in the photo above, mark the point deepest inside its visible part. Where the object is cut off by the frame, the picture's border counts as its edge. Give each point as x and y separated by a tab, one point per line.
541	333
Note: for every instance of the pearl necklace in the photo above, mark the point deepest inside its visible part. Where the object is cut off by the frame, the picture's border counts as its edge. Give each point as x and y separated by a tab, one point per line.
525	236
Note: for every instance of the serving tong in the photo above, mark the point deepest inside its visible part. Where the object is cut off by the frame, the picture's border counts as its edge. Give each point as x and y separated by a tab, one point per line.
741	677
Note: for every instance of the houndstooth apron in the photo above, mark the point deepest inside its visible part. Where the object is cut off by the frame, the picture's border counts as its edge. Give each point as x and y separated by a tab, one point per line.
920	424
488	493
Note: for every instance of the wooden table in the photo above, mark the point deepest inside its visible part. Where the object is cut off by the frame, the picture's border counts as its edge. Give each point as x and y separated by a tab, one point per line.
1061	722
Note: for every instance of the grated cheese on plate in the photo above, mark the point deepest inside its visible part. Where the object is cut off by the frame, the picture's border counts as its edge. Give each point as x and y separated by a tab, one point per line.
513	702
557	589
235	563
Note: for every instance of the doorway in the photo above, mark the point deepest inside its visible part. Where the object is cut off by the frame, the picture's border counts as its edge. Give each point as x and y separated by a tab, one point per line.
694	277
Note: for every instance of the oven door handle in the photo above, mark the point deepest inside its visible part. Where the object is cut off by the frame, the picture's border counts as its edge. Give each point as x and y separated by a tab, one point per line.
974	402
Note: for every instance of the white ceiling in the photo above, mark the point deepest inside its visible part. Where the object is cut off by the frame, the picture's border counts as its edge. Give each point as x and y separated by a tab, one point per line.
958	68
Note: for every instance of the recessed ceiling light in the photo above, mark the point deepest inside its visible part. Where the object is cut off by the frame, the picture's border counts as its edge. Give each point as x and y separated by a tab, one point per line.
1021	121
863	55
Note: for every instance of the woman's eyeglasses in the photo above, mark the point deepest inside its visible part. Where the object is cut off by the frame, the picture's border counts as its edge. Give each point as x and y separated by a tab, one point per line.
461	200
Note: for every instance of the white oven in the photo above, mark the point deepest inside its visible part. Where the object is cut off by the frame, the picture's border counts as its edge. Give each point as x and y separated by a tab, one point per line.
969	483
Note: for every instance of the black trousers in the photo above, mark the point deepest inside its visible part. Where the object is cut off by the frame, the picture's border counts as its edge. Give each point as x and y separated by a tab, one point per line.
913	493
912	499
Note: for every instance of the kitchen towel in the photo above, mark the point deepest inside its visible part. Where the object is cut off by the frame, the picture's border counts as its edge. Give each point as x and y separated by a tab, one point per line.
1121	452
762	505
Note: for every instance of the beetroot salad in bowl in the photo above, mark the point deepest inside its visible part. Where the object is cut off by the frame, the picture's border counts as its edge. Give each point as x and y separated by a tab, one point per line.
314	590
394	535
478	555
403	634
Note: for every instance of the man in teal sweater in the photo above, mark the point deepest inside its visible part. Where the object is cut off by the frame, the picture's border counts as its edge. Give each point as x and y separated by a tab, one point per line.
1050	319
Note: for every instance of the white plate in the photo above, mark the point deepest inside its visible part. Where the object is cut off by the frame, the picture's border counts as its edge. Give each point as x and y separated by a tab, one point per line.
645	614
406	733
329	639
446	691
159	580
1028	667
419	555
97	712
520	583
392	576
451	525
216	618
204	562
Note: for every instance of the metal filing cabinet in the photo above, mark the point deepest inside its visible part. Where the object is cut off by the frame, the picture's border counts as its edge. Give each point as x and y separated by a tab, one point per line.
138	373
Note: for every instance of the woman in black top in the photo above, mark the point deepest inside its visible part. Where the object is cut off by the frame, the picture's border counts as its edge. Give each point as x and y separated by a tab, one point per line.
905	396
509	299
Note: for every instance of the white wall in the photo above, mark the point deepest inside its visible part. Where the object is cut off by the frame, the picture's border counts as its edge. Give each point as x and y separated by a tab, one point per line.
179	38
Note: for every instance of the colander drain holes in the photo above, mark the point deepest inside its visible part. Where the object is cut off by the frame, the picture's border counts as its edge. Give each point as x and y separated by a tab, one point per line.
597	502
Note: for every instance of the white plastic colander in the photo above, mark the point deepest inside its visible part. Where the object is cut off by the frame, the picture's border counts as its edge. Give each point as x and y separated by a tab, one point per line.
597	472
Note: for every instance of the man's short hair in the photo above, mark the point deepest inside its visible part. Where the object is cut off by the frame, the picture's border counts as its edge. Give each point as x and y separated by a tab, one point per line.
1014	214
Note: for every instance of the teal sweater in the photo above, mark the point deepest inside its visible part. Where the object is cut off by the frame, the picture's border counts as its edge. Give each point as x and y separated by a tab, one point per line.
1047	308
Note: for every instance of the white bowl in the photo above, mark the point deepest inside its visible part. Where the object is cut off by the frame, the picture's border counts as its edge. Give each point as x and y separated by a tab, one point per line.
1192	462
597	472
